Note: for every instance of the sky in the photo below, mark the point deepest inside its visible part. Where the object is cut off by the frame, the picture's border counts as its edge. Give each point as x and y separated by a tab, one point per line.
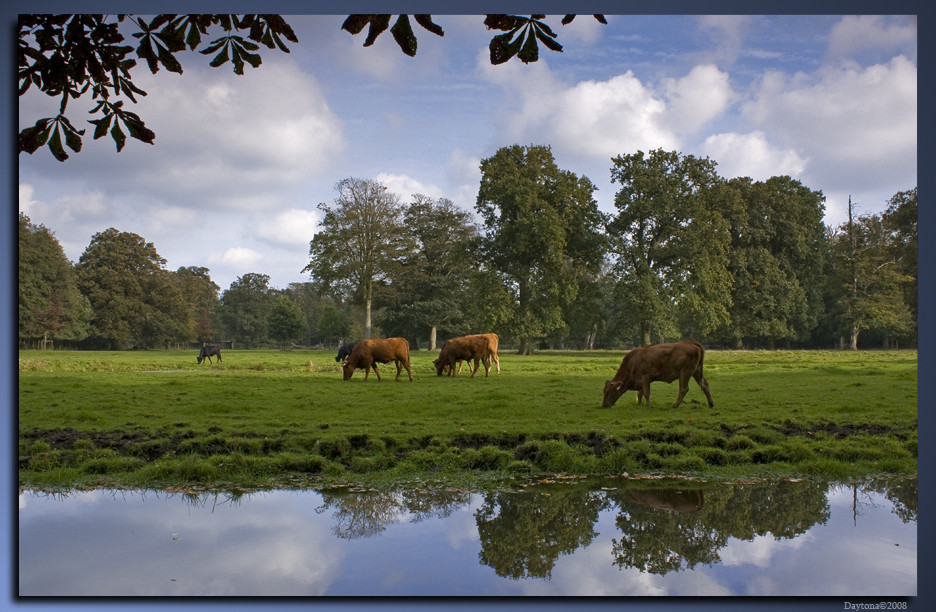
241	163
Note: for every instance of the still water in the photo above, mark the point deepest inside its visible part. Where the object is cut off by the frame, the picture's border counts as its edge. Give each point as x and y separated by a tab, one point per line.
560	537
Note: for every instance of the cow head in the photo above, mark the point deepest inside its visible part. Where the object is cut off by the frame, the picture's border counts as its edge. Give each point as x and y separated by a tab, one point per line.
200	359
613	389
440	366
347	369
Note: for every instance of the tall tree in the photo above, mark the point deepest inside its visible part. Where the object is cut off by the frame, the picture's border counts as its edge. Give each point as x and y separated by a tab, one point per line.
285	321
670	244
868	279
900	220
361	243
201	295
432	288
245	306
50	304
134	298
778	248
541	232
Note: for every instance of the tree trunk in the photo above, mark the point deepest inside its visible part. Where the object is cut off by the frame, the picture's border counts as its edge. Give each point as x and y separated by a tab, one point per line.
645	335
526	346
367	317
432	338
853	340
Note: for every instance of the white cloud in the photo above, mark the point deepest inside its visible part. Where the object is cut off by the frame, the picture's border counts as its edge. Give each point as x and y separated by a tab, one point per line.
751	155
290	228
242	137
851	114
406	186
860	33
727	32
26	200
699	97
237	257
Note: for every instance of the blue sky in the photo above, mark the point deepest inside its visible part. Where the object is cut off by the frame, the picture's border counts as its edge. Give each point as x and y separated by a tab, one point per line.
241	163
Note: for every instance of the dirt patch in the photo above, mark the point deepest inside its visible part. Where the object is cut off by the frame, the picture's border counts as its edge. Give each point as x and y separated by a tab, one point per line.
838	431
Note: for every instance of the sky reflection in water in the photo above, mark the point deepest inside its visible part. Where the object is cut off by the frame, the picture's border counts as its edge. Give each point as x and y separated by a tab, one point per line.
614	538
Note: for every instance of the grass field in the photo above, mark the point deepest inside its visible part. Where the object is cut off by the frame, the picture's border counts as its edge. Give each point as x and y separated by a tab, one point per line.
286	418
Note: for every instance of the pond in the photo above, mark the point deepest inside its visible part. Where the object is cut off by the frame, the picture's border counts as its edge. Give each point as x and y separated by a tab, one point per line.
551	537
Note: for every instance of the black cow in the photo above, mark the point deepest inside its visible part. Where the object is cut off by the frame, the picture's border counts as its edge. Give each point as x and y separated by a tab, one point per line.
207	350
343	351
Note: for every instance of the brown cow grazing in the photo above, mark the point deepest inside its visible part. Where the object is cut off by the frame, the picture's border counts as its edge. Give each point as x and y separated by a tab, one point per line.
464	348
493	341
666	362
368	353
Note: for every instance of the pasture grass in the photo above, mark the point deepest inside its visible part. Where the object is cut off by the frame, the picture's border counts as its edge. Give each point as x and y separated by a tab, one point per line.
269	418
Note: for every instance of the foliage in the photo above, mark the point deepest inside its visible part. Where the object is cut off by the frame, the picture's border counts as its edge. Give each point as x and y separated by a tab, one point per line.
134	298
541	232
776	259
521	38
670	245
50	304
431	287
67	56
900	221
201	295
245	307
285	322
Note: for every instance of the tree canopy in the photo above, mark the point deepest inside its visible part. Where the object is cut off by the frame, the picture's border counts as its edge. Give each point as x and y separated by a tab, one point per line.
134	298
541	232
50	304
670	245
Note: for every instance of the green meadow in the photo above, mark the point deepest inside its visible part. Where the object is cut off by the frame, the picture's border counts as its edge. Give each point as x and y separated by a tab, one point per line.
270	418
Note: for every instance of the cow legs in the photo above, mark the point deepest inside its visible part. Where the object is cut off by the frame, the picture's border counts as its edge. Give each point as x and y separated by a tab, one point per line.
683	388
703	384
406	365
645	392
475	369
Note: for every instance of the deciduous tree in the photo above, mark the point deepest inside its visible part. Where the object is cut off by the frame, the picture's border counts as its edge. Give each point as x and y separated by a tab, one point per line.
50	304
134	298
541	232
244	309
361	243
433	286
670	245
778	249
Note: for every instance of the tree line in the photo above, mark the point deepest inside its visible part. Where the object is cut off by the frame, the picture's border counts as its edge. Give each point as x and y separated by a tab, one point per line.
686	253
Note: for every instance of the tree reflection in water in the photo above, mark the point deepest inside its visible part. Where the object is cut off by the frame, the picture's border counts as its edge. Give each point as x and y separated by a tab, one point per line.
363	514
522	534
673	527
667	536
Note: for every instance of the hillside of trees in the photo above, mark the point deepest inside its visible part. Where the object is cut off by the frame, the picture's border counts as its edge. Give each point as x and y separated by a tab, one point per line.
686	253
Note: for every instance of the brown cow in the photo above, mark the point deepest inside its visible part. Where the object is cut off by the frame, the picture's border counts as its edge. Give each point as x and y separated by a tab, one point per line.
464	348
666	362
368	353
493	341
